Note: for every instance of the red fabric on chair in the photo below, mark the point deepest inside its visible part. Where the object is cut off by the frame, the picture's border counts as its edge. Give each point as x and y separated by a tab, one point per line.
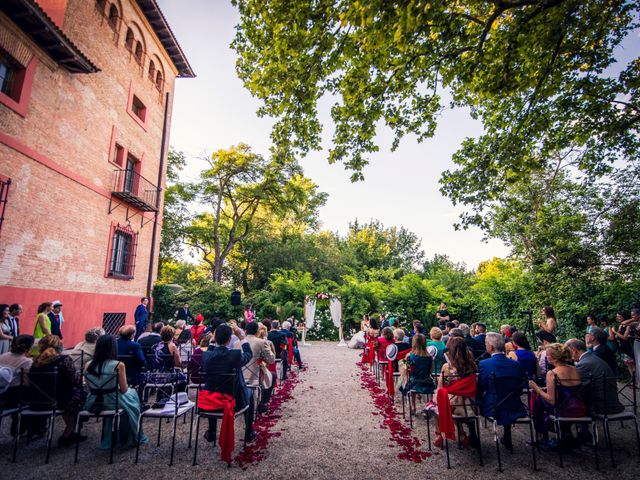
273	367
290	350
212	401
465	387
391	389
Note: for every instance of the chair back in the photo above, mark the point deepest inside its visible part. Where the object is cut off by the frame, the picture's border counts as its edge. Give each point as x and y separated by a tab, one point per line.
506	394
570	400
102	385
43	390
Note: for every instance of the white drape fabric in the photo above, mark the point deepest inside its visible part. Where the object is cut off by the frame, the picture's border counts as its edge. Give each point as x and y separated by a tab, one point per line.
310	312
335	307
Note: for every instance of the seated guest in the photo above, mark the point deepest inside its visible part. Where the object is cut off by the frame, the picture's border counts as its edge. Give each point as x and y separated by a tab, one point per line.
481	332
544	365
418	328
148	342
261	352
505	330
219	362
508	376
477	348
598	340
436	341
290	327
183	334
564	394
447	329
166	357
384	341
604	392
82	353
522	353
400	340
419	368
107	379
67	388
130	353
19	361
197	329
279	340
195	362
460	365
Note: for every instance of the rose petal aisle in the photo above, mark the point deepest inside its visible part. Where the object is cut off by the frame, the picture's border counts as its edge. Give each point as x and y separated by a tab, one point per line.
265	423
400	433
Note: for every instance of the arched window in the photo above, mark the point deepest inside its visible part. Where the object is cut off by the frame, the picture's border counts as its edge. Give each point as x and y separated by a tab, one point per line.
139	53
128	43
159	81
152	71
114	17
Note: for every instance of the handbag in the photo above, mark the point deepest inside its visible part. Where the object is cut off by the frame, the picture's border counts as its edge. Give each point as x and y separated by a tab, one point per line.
266	379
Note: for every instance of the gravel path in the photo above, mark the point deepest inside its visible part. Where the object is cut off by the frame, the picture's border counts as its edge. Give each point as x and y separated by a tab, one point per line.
325	430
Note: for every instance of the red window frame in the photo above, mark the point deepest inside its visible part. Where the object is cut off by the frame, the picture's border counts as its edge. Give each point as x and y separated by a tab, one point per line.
142	119
19	100
121	258
5	183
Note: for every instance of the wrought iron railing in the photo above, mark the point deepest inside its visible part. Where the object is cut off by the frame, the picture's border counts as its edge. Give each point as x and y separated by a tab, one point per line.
134	189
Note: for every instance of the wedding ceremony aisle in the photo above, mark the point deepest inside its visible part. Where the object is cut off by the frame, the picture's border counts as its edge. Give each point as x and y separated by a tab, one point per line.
326	425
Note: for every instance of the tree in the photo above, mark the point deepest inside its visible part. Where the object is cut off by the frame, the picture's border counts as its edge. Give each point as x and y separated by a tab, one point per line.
534	71
235	187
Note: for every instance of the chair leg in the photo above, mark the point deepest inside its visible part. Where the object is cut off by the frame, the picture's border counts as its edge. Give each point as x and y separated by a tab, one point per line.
410	412
403	409
114	431
77	430
635	421
477	423
195	447
533	446
594	434
52	424
446	446
173	440
497	440
608	442
429	430
559	441
138	439
190	428
17	437
159	430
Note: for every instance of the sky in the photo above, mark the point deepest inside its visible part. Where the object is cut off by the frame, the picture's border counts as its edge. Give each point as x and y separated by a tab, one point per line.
213	111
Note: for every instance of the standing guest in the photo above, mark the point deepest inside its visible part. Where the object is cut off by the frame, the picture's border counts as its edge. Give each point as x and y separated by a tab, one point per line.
373	331
606	325
364	323
507	374
151	339
279	340
15	311
19	361
505	330
522	353
56	318
443	313
383	322
625	341
197	329
67	388
549	324
130	353
141	315
477	348
635	322
436	341
597	338
5	329
567	399
262	352
83	352
105	372
42	326
184	313
249	314
220	361
591	322
481	332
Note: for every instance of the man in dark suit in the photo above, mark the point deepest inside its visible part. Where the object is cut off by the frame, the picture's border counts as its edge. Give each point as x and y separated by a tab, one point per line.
184	313
14	319
598	339
279	340
476	347
130	353
481	330
504	392
604	392
149	340
141	315
217	363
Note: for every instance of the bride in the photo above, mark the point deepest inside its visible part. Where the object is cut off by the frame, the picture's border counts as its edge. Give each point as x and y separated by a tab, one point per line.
359	339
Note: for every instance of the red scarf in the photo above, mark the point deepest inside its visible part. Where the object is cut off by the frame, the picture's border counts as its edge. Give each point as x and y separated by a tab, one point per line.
371	351
391	390
290	350
211	401
464	387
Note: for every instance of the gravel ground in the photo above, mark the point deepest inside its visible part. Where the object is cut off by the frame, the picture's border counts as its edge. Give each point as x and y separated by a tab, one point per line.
326	431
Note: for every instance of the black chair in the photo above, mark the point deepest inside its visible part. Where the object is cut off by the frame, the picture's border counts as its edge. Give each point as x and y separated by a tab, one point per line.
172	413
232	379
506	390
559	419
40	404
621	417
101	412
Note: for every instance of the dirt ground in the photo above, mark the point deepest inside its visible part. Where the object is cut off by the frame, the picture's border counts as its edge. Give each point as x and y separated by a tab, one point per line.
325	429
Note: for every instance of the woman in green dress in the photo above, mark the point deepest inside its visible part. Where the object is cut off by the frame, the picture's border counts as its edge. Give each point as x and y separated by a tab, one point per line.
106	380
42	327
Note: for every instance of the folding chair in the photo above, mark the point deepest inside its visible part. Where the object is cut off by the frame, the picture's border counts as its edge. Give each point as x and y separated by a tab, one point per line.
228	379
510	389
606	418
13	411
558	420
107	387
41	404
172	413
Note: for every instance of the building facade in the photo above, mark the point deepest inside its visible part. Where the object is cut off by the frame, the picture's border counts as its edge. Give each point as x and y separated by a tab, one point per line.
85	108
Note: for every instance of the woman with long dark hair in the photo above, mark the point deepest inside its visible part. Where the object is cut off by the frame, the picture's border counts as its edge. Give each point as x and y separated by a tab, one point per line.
522	353
549	324
107	379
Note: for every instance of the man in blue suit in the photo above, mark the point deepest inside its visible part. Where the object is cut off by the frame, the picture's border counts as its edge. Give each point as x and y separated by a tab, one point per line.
500	399
219	361
141	316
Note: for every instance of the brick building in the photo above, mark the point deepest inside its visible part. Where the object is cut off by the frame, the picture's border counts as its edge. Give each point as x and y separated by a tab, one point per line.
85	109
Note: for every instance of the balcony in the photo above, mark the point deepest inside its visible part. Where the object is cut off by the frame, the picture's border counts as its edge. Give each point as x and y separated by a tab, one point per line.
132	188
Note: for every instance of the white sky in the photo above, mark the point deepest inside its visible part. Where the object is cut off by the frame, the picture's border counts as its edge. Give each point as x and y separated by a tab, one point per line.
214	111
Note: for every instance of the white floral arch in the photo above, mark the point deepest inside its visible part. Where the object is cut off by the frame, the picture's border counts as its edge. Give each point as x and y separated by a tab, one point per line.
335	308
